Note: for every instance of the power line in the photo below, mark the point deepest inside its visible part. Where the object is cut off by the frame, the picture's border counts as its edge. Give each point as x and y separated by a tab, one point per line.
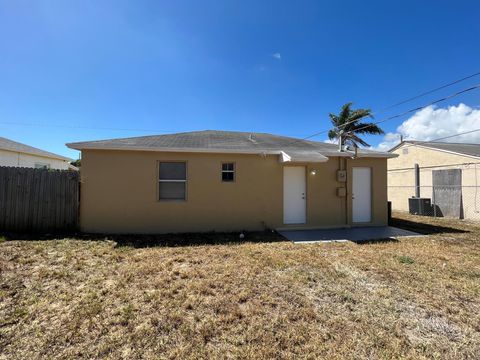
418	108
305	138
78	127
442	138
403	102
430	91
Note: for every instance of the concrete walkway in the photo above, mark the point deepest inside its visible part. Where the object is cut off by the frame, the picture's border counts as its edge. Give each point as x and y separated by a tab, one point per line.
352	234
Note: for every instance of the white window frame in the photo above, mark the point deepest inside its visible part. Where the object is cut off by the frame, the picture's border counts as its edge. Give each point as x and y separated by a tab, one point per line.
40	165
172	181
229	171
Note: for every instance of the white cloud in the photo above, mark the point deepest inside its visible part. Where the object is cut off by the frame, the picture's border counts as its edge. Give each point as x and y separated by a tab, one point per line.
389	140
432	123
277	56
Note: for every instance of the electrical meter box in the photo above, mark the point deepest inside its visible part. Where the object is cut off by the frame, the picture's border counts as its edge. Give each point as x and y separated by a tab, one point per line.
341	192
341	175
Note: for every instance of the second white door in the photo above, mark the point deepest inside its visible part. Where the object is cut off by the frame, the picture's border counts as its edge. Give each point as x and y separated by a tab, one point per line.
361	195
294	195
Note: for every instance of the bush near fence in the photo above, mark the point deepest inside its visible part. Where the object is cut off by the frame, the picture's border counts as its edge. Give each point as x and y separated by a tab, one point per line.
38	200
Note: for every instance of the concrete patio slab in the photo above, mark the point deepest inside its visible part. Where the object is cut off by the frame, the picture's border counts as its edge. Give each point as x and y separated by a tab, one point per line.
357	234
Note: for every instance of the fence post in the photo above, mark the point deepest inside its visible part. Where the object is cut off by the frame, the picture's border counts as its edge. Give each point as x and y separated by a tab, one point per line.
417	181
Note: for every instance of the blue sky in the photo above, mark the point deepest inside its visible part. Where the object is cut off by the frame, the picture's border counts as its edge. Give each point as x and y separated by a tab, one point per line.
84	70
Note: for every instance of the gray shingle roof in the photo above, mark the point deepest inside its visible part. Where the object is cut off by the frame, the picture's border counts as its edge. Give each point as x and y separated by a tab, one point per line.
460	148
10	145
226	141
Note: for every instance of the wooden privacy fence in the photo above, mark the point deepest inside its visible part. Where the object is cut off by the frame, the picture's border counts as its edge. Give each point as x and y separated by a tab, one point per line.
38	200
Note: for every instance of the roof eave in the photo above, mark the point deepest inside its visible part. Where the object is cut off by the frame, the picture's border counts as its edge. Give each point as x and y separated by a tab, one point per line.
398	145
425	145
380	156
323	157
447	151
47	156
349	154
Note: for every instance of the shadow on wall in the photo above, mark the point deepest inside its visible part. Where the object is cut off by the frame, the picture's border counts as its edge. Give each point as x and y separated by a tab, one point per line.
169	240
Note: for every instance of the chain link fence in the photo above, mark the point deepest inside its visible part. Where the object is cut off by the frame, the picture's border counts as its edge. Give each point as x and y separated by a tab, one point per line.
437	191
461	202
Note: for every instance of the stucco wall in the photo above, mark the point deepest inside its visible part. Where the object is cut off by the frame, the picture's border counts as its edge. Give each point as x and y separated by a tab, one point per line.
11	158
401	177
120	188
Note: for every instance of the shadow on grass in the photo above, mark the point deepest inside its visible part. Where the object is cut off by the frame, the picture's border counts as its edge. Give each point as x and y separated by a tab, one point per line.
166	240
375	241
36	236
424	228
195	239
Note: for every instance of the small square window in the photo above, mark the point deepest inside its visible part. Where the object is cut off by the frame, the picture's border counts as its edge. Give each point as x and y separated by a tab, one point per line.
228	172
404	151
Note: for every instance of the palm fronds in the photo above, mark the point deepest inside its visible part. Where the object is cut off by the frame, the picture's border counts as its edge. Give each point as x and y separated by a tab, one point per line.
347	125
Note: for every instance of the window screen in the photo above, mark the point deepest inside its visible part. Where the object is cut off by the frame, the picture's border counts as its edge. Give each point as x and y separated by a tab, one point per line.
42	166
228	172
172	180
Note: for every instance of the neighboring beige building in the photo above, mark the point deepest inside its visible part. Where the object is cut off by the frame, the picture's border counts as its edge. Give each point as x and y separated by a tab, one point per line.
16	154
227	181
448	176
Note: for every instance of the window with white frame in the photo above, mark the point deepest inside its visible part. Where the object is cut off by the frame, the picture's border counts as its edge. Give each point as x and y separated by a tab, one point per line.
172	180
228	172
42	166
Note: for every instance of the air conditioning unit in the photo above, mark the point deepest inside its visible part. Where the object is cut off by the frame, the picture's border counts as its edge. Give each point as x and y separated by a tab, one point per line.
420	206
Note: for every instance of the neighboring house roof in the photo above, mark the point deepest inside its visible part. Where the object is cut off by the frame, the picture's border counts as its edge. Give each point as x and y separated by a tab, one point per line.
290	149
10	145
472	150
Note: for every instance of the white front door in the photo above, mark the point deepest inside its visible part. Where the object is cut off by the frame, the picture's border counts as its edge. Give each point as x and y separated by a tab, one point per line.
294	195
361	195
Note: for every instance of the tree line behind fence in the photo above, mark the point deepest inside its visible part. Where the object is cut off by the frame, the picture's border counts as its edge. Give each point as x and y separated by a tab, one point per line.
38	200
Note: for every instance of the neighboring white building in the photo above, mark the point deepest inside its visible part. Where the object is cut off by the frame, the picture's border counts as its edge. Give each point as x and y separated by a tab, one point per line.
13	153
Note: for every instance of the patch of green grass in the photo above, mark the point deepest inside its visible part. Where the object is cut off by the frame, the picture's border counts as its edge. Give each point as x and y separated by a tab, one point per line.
127	314
407	260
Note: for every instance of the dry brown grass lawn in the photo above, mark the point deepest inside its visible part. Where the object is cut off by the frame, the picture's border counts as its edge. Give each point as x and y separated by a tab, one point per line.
415	298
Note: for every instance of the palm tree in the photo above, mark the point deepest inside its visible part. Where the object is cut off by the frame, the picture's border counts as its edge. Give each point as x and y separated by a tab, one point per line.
347	125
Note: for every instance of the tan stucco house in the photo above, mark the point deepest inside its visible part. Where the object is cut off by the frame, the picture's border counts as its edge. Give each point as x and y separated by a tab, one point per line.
447	174
13	153
227	181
